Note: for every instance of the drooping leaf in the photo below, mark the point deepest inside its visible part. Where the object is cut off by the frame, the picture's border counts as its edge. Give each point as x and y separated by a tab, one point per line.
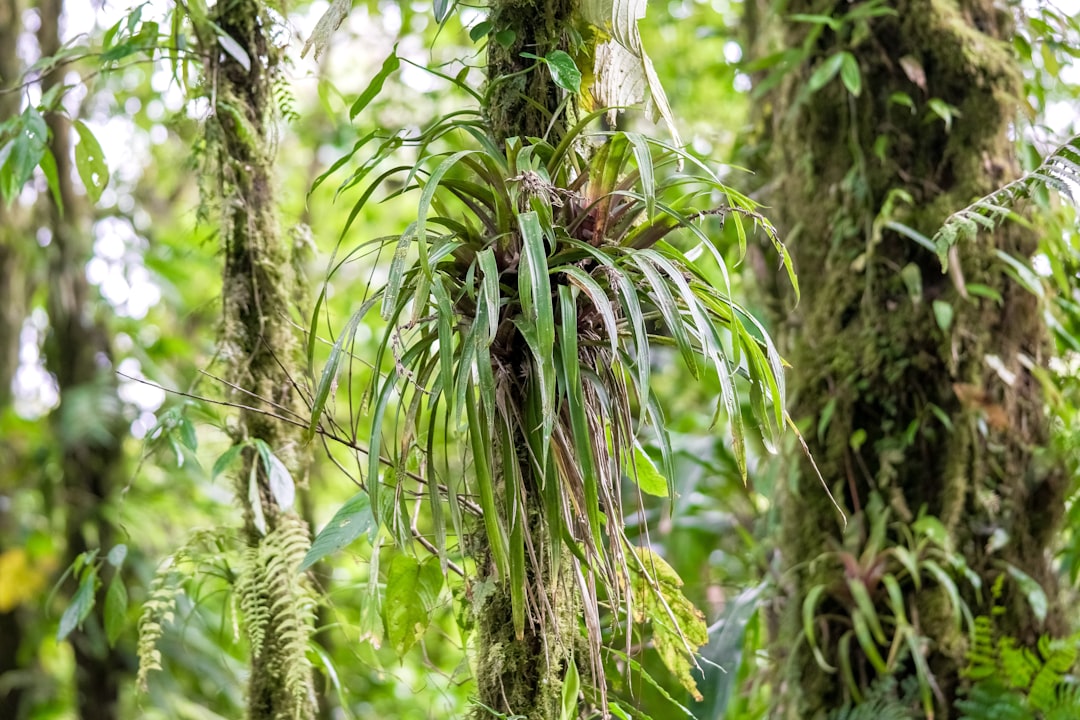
389	66
90	162
82	602
282	487
116	605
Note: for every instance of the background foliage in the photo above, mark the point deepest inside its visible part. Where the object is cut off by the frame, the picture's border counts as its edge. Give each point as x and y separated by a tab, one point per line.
394	616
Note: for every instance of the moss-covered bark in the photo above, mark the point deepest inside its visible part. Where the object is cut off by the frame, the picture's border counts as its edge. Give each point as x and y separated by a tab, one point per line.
942	429
522	99
524	676
262	352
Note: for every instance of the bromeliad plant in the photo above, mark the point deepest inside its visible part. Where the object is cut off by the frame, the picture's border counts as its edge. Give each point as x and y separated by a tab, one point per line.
524	308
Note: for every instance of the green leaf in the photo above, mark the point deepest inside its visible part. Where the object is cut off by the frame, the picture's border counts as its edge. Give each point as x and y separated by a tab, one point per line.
943	313
1036	596
505	38
90	162
225	460
564	71
116	605
412	591
825	72
646	475
850	74
479	30
571	686
390	65
442	9
328	379
352	519
282	487
82	602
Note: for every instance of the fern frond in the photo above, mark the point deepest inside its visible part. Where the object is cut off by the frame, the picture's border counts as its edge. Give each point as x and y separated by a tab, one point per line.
1060	171
279	610
158	610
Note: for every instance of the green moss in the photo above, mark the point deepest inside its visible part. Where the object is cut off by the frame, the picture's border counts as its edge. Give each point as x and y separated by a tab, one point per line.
861	342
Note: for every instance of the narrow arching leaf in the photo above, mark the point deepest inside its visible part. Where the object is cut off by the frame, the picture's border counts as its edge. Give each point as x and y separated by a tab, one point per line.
352	520
538	319
328	379
389	66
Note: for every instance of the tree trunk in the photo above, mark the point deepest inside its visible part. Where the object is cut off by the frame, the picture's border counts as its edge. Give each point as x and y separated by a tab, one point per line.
524	676
262	351
12	313
939	428
88	424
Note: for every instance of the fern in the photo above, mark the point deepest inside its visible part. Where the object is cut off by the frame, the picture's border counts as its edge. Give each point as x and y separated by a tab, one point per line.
1013	682
1060	171
158	610
884	701
279	610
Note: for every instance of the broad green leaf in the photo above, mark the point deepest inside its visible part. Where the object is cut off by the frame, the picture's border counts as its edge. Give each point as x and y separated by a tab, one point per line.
943	314
90	162
479	30
389	66
646	475
116	605
564	71
352	520
825	72
412	591
82	602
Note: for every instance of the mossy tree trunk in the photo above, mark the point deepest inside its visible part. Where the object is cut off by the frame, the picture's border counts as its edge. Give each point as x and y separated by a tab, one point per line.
262	351
88	424
943	430
523	676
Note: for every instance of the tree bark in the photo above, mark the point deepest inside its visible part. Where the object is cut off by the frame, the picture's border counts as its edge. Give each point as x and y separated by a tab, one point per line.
262	351
12	312
524	676
943	430
88	424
